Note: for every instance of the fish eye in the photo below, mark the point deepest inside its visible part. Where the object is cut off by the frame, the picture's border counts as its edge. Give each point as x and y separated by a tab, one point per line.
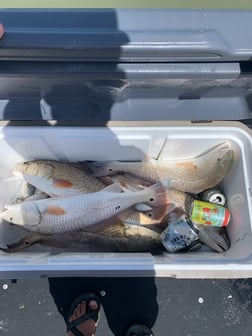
27	243
151	199
110	169
150	215
218	159
11	218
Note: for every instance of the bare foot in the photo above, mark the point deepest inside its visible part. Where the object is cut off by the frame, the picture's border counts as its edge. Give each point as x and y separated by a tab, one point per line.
87	327
1	30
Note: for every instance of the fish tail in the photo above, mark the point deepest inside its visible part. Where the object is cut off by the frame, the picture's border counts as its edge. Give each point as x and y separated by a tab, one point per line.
160	195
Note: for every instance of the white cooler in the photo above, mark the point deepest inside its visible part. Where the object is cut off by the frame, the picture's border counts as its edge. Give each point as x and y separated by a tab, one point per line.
120	85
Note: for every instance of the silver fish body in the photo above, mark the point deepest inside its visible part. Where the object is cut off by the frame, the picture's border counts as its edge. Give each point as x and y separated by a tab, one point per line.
177	198
128	182
188	175
57	178
71	213
132	239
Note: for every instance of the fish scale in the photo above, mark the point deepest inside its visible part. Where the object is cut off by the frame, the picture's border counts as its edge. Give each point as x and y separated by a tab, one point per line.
71	213
189	175
132	239
57	178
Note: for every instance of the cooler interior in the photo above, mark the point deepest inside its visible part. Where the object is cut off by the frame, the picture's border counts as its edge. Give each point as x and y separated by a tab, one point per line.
117	85
183	140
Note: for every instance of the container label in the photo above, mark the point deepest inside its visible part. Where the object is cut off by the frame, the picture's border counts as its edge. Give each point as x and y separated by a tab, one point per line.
209	214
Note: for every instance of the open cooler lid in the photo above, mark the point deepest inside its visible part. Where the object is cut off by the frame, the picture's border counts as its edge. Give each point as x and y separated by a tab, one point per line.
122	64
127	35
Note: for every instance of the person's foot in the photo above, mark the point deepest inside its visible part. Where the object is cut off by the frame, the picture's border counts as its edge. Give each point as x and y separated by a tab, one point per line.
139	330
88	327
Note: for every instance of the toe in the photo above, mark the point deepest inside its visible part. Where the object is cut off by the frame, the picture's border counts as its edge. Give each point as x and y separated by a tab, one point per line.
86	327
83	308
75	314
93	305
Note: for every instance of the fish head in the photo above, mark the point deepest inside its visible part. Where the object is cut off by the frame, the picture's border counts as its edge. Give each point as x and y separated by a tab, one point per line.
105	168
13	215
215	237
23	243
34	168
18	215
217	160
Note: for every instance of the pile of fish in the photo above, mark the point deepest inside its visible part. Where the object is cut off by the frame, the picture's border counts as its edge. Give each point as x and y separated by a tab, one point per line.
120	206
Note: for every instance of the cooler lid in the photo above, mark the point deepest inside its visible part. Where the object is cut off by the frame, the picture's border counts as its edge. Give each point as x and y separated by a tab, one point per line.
127	35
125	64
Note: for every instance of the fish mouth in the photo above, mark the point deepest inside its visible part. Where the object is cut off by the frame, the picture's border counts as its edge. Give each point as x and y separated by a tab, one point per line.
18	246
224	242
224	146
221	246
17	173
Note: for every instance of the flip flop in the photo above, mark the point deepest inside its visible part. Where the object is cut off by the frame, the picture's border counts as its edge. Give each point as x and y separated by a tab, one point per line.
90	314
139	330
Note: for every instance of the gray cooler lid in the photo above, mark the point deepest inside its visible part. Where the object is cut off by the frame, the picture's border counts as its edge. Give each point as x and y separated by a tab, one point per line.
125	64
127	35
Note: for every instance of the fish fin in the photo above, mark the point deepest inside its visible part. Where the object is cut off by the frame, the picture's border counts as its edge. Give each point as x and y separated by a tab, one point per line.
160	195
166	183
142	207
137	180
61	183
126	214
159	214
55	210
108	181
123	185
105	180
115	187
187	165
175	214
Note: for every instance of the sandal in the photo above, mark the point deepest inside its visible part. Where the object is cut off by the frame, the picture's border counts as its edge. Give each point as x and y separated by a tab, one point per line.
90	314
139	330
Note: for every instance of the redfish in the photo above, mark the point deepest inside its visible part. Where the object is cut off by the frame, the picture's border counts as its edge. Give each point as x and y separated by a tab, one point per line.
57	178
72	213
189	175
125	238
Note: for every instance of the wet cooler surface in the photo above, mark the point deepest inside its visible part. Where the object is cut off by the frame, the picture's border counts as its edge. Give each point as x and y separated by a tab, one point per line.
169	306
